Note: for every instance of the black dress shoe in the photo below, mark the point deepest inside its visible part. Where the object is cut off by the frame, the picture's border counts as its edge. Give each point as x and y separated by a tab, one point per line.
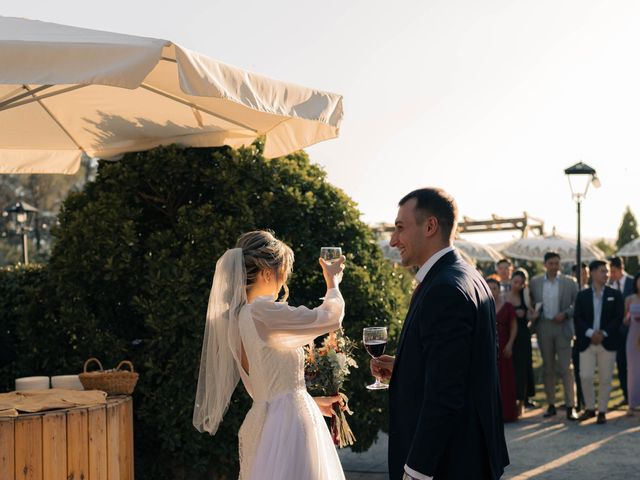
530	404
551	411
602	418
586	415
571	413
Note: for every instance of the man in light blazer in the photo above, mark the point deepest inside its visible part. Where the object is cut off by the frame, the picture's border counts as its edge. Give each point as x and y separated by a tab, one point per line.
554	294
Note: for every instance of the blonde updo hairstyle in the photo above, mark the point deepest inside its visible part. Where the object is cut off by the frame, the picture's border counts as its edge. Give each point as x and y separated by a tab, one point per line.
263	251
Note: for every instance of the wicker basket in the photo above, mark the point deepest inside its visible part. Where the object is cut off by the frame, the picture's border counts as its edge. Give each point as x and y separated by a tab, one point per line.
114	382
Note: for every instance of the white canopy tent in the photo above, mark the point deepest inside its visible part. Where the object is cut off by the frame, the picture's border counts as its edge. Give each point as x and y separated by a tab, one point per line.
66	90
534	248
631	249
478	251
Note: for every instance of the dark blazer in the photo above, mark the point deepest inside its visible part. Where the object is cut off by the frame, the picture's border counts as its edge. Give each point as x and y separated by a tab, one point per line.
610	318
444	399
628	286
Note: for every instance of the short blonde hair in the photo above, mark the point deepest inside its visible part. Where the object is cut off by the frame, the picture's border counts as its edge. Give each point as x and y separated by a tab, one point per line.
263	251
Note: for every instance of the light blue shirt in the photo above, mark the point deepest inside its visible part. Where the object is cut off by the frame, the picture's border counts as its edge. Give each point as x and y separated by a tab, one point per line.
597	313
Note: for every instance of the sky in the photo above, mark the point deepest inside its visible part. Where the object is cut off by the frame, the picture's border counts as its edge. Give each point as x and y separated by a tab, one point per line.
489	100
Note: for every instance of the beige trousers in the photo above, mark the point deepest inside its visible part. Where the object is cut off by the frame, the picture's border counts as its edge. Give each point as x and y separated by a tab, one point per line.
596	355
555	348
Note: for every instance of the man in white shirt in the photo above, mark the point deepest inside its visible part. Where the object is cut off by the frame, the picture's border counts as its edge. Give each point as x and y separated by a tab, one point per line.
598	315
554	294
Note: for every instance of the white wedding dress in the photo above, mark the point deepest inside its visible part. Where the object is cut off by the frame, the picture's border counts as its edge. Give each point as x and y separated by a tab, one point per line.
284	436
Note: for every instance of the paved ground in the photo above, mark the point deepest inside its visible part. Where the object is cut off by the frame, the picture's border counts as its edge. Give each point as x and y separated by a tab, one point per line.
543	449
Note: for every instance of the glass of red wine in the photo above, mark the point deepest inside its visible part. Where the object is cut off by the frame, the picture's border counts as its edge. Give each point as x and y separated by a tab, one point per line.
375	342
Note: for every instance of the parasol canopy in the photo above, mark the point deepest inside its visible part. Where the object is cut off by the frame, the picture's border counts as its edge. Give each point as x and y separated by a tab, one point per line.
65	91
534	248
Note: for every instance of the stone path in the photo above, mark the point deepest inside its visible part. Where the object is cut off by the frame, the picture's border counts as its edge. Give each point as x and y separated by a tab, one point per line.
549	449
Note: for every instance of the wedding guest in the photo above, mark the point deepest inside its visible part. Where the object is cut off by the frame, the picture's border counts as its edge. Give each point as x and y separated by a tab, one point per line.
507	328
619	278
598	315
623	282
504	269
555	293
584	274
632	321
518	296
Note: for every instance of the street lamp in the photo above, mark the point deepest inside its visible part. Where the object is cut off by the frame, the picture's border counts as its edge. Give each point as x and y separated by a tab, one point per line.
21	214
580	177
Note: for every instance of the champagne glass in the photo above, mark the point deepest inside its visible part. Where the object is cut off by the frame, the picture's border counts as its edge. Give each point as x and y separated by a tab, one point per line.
375	342
330	254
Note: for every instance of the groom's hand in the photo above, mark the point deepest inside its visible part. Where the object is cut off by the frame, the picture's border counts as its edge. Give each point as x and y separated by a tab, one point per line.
382	366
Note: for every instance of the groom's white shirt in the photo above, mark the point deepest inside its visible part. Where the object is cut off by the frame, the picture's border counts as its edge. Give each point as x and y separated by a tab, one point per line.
424	269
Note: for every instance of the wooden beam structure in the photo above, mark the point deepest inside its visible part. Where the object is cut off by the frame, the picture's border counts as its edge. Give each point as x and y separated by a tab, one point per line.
524	224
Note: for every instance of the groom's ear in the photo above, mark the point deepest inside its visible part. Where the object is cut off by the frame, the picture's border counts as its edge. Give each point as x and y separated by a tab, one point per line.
430	227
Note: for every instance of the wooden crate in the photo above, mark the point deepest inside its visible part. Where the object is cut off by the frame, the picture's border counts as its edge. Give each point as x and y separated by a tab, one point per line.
93	443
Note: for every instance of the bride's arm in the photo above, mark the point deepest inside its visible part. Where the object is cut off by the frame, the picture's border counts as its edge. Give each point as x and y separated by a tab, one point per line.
283	326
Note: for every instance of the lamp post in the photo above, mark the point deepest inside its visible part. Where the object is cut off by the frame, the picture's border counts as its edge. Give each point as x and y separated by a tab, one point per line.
580	177
22	214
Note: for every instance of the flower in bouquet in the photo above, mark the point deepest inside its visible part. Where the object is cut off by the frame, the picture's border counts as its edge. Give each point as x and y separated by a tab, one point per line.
327	367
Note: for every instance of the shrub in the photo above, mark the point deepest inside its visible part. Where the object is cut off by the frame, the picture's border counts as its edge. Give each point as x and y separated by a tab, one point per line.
132	268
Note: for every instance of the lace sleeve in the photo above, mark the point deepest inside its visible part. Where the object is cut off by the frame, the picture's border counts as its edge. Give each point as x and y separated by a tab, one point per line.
283	326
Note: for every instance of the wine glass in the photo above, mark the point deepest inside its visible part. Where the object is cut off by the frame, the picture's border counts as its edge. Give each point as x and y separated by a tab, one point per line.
330	254
375	342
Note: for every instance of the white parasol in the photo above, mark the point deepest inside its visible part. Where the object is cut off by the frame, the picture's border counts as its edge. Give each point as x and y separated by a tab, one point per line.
534	248
631	249
66	90
478	251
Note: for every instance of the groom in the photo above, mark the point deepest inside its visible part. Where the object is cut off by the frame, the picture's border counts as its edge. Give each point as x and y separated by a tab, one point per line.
444	399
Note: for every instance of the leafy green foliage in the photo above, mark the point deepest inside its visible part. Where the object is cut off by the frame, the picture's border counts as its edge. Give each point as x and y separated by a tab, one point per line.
627	232
131	270
608	247
30	332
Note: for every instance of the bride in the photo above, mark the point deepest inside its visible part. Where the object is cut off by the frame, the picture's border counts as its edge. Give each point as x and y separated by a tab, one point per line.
251	336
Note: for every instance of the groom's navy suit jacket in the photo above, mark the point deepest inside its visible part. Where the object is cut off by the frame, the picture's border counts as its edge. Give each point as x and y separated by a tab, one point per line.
444	397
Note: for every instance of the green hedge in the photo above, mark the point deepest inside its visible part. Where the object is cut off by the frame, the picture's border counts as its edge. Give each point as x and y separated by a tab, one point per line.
130	275
25	320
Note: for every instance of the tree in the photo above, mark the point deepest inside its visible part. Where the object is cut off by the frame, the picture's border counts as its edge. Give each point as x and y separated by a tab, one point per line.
627	232
132	270
45	192
607	246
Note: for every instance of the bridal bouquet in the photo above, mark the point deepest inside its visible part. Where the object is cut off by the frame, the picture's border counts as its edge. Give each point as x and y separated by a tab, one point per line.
326	368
